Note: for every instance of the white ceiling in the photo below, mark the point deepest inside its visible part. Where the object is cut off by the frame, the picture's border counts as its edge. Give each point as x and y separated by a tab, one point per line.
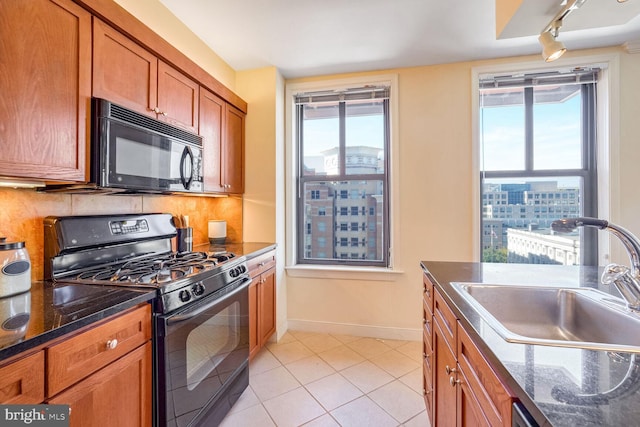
306	37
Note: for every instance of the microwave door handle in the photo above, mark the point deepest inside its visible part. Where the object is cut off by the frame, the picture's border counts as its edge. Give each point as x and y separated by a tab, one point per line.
186	182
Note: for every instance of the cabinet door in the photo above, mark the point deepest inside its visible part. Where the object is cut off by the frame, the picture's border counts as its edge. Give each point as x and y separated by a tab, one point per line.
267	305
445	392
123	71
486	397
233	151
470	413
75	358
119	393
178	98
45	64
22	382
212	114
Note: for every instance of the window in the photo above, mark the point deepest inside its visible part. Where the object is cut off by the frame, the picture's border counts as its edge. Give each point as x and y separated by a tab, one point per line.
538	148
343	142
315	194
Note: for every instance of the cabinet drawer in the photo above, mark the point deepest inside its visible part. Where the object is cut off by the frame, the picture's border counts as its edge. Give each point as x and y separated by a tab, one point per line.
262	263
427	292
22	382
491	394
72	360
447	321
427	355
427	321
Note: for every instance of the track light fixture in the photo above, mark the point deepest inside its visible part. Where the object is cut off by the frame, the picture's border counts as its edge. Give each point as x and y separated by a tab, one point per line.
553	49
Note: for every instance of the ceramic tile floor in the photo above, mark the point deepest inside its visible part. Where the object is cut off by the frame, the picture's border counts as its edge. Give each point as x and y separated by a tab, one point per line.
311	379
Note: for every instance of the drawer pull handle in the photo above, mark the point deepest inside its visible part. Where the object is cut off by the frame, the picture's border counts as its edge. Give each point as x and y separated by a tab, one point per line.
453	381
112	344
449	370
427	292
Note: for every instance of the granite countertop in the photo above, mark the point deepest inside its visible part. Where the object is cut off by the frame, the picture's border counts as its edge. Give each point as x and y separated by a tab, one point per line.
533	371
49	311
248	249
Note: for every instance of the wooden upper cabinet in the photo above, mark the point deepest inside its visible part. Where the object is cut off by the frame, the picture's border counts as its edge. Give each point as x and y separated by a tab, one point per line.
45	64
222	129
233	151
211	123
126	73
177	98
123	71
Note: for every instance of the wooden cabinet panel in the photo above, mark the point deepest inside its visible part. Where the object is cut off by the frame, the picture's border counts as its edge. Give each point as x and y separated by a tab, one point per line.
267	303
178	98
211	125
45	66
262	316
233	150
486	388
22	381
119	393
71	360
123	71
446	320
427	292
445	397
466	390
129	75
261	263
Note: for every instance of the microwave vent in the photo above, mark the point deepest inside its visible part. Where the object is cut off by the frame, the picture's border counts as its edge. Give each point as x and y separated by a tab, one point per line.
137	119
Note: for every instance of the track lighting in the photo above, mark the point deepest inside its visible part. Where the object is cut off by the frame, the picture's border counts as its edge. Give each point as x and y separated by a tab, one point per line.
553	49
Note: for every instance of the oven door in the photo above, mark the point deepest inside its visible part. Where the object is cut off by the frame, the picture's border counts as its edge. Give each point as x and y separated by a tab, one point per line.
202	357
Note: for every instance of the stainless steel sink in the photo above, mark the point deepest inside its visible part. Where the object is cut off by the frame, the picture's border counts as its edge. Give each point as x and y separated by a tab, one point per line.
565	317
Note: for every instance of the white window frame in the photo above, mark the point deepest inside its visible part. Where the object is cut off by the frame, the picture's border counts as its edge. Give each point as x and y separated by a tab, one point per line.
608	132
338	271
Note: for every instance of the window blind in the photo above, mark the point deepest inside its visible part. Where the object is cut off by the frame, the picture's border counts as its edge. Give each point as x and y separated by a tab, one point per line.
553	78
353	94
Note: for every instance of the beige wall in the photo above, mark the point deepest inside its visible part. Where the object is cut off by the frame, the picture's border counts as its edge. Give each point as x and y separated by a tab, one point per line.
157	17
437	191
263	206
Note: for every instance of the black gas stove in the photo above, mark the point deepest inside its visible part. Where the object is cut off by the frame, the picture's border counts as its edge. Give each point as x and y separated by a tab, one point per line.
134	250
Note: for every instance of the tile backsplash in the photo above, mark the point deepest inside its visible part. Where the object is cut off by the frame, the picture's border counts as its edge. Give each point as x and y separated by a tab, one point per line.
23	212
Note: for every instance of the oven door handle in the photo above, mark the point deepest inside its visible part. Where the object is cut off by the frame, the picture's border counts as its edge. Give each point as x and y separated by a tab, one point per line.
199	310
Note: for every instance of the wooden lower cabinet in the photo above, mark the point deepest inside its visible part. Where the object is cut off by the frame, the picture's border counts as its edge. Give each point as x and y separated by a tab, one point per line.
119	393
104	373
22	381
465	389
262	301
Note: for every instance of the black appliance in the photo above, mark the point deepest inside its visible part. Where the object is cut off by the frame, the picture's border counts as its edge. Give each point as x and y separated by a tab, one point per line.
201	339
134	153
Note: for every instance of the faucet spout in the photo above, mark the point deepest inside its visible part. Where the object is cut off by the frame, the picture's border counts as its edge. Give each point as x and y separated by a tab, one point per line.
627	281
630	242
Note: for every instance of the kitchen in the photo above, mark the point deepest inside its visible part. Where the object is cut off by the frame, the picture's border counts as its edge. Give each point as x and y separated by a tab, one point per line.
441	91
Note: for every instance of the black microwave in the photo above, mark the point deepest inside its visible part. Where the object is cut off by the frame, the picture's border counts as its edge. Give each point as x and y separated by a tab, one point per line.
135	153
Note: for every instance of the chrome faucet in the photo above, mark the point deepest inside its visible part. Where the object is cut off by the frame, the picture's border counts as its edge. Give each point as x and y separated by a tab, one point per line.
626	280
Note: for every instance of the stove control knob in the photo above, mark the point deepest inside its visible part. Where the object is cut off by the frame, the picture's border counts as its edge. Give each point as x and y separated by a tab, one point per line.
184	295
197	289
234	273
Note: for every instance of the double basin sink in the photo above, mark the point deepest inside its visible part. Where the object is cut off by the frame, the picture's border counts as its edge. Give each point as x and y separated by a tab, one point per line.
565	317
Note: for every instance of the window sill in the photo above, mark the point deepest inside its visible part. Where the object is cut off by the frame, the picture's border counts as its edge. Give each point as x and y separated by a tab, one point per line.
347	273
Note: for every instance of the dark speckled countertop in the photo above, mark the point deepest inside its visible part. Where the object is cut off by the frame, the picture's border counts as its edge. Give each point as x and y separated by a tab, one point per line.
49	311
533	371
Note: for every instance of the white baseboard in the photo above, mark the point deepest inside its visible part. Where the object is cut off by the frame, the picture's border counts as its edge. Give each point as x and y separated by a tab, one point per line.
382	332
